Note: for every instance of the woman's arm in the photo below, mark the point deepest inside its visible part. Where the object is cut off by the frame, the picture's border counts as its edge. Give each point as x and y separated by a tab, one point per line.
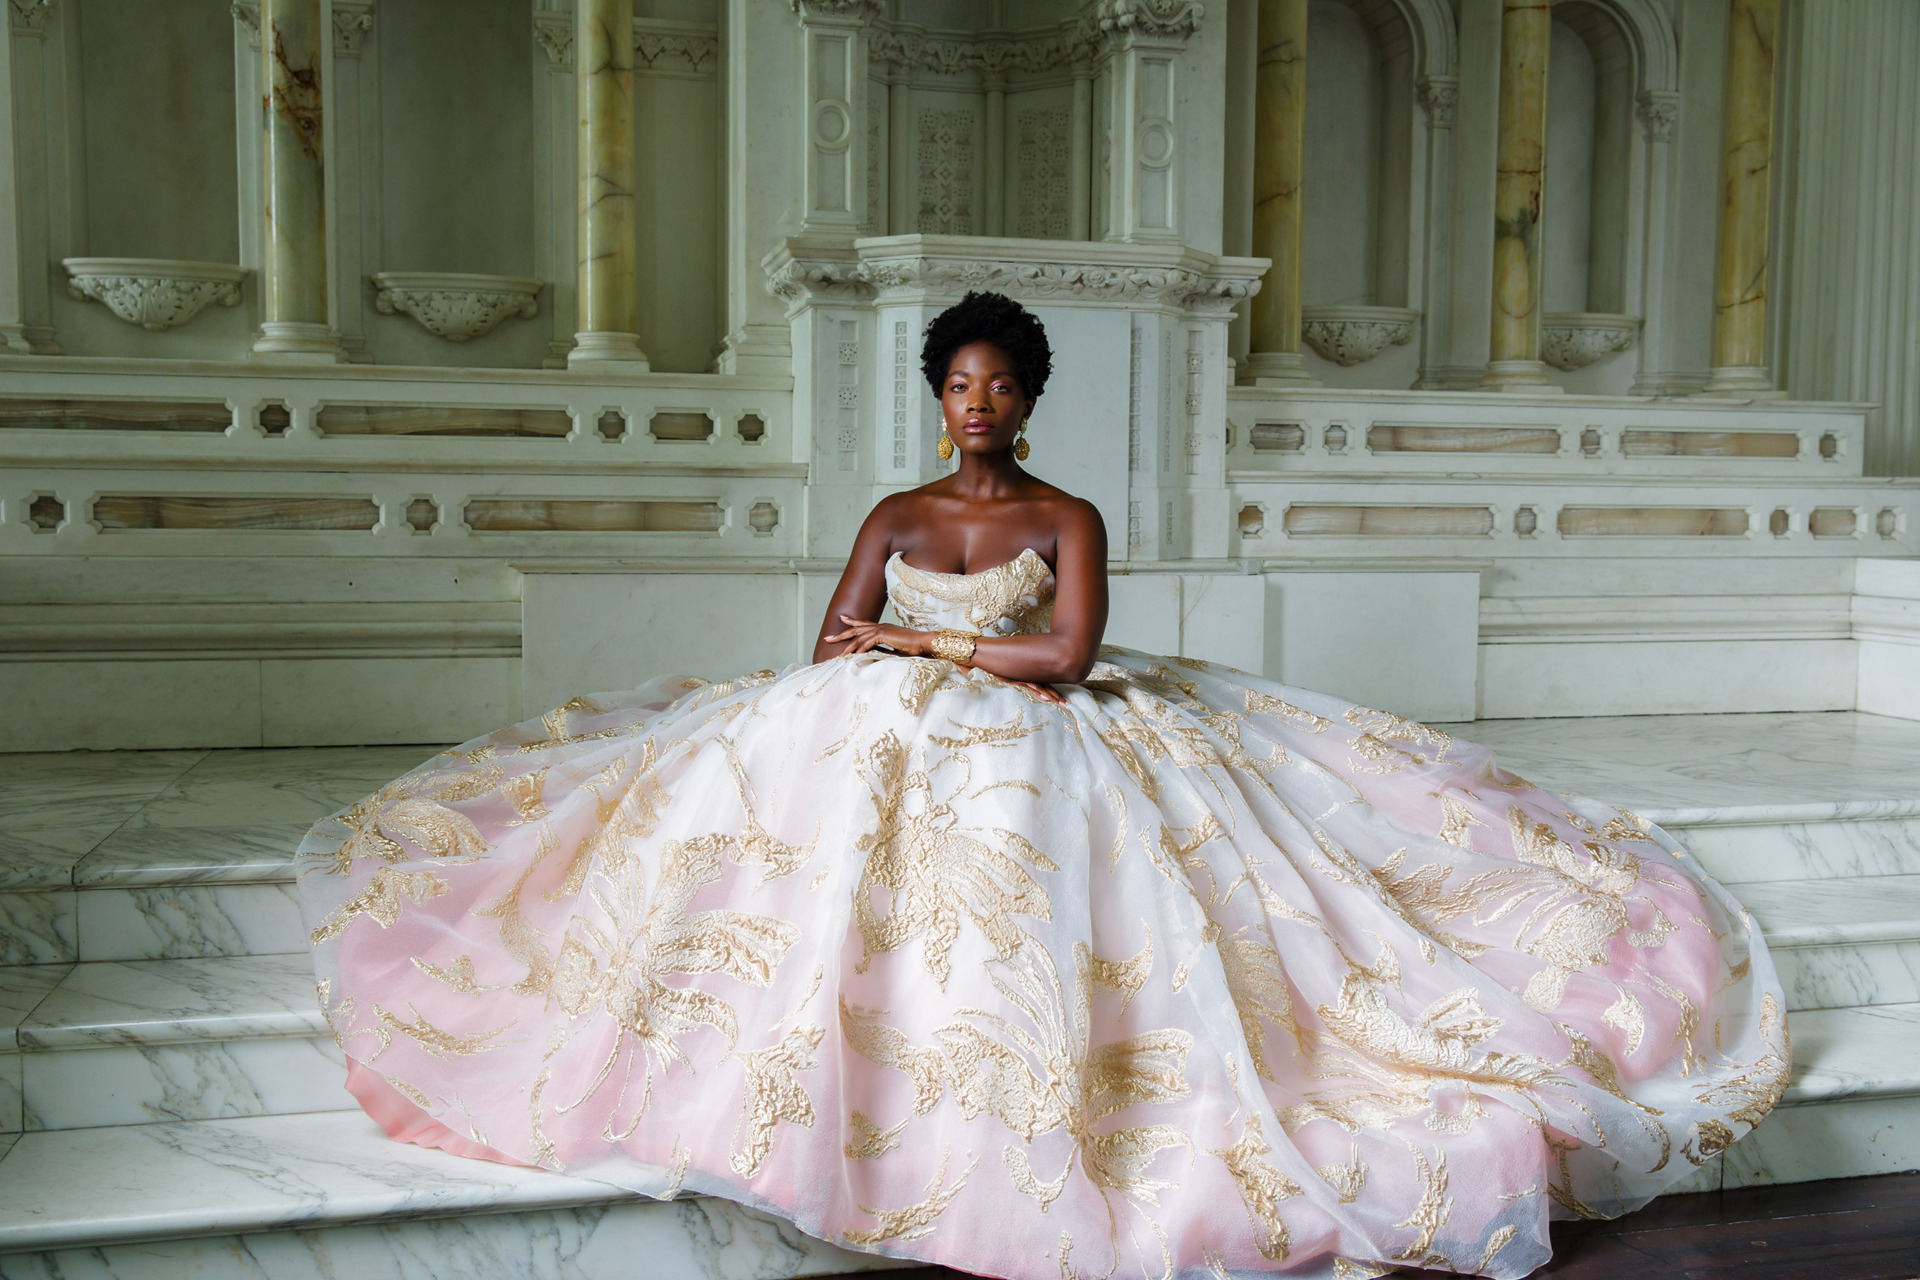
1061	656
1065	654
862	592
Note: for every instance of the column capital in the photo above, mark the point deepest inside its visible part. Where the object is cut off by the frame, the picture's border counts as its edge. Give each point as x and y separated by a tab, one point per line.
553	32
1439	95
351	22
1657	109
28	17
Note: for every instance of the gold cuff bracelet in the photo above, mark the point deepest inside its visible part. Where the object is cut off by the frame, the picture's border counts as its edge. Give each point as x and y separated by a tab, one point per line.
954	646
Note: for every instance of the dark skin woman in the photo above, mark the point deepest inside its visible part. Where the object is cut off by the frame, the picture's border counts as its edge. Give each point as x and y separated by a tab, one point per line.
983	515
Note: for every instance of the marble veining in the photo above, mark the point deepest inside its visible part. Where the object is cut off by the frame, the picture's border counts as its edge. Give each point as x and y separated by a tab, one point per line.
176	1001
1846	1139
1825	912
22	988
140	854
12	1117
178	922
697	1238
1841	1053
1710	762
146	1083
1839	977
248	1174
39	928
29	864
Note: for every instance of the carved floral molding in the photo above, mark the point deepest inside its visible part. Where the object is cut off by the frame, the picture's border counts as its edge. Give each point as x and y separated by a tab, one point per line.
154	293
1355	334
924	267
1081	40
456	306
1575	339
660	46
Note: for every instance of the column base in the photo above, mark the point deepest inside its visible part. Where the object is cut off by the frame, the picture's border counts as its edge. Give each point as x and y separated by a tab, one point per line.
600	347
1518	375
1275	369
1741	382
297	342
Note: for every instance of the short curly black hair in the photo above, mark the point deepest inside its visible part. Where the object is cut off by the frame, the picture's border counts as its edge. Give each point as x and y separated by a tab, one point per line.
995	318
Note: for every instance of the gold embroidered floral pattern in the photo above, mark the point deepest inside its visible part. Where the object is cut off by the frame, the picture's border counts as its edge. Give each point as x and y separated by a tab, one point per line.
1196	975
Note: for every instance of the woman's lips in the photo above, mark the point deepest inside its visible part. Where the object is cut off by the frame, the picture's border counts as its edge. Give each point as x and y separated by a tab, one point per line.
975	427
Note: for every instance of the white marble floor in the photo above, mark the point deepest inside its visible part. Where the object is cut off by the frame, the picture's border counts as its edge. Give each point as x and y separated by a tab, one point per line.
79	817
1666	766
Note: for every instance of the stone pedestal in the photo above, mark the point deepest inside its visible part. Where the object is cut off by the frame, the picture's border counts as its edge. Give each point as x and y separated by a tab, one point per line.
1526	28
295	323
1279	211
608	303
1740	274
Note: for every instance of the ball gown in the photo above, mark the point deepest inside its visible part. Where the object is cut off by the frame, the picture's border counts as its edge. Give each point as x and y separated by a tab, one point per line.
1195	974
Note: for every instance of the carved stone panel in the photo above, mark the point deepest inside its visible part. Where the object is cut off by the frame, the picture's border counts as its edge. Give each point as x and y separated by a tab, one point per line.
1042	161
946	171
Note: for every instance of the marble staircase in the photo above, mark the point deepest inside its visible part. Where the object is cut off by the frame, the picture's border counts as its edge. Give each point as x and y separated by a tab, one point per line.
170	1103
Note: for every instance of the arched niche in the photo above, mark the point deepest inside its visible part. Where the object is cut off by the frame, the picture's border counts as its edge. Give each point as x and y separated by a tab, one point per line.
1589	161
1607	206
1359	93
1379	83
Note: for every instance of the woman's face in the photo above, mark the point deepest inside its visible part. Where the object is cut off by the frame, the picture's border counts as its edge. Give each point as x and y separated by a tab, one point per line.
982	402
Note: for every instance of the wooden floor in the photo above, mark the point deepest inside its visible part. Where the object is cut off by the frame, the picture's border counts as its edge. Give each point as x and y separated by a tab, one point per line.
1850	1229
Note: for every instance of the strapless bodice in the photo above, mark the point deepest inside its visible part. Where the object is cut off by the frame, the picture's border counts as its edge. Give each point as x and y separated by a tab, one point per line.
1015	598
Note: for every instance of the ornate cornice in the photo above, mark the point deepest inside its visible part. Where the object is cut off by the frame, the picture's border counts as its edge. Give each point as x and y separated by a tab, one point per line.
1165	19
925	268
952	55
857	10
351	22
1083	39
681	48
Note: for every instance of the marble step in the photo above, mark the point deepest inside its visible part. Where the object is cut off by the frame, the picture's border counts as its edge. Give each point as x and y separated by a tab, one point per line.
1840	943
154	893
168	1199
330	1195
123	1043
1799	841
1852	1109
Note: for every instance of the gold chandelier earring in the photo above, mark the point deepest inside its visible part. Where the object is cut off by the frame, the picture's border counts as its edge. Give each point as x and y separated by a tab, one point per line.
945	447
1020	446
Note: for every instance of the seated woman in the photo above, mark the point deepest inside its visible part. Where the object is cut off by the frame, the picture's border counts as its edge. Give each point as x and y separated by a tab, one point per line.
980	943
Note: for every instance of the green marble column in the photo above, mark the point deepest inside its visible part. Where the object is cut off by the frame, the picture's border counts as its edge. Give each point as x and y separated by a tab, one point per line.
609	305
1526	42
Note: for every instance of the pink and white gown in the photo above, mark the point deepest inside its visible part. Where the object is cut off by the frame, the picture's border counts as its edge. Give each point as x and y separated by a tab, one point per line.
1194	974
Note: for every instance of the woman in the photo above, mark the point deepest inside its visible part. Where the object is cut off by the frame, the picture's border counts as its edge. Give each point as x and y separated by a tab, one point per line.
979	943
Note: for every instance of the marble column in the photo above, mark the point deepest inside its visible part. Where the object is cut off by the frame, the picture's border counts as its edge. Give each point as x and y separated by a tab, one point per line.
1526	35
1080	156
900	221
26	307
994	188
295	323
1279	211
1740	271
608	301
